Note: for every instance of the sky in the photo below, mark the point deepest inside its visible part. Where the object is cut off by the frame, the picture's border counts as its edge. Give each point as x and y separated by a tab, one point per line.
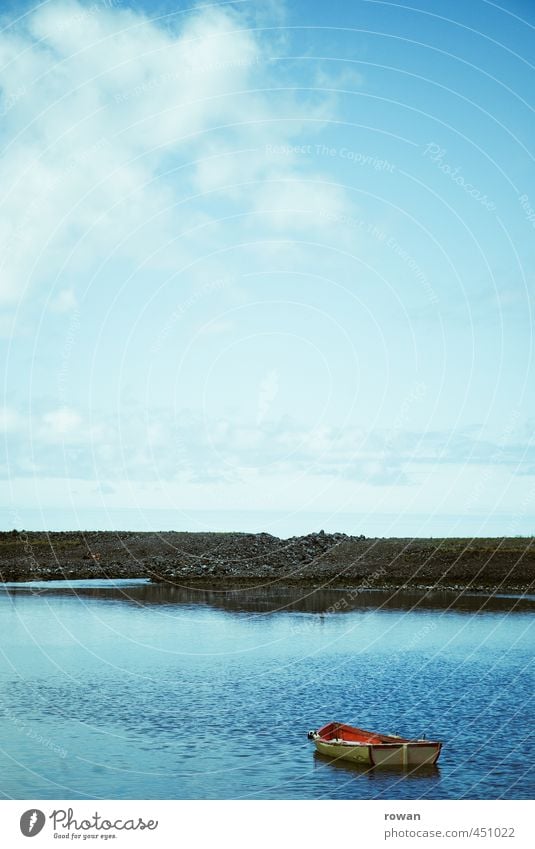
268	266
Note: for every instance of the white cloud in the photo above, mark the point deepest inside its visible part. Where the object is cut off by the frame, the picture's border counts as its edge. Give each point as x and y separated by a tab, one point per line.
216	327
169	446
10	420
61	423
99	102
84	145
310	205
267	392
66	426
65	301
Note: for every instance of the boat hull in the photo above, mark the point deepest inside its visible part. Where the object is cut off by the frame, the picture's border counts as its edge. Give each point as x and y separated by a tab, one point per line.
404	755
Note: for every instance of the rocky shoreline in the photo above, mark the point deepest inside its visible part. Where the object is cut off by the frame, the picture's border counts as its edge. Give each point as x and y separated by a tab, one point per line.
240	559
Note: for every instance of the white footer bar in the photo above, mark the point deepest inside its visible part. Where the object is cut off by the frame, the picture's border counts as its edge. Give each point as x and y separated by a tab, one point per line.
263	825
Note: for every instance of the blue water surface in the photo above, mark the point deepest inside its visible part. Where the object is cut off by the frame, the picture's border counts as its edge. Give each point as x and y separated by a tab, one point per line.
122	690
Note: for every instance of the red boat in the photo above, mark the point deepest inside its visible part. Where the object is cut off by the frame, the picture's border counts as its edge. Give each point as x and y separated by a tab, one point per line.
346	742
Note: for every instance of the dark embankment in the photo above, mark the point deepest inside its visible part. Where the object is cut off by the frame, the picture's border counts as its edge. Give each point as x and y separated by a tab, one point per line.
234	559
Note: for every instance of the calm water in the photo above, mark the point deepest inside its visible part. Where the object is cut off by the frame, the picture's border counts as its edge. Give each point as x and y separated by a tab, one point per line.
124	690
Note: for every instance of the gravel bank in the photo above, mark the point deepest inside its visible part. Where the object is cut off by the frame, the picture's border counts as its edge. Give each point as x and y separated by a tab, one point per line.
236	559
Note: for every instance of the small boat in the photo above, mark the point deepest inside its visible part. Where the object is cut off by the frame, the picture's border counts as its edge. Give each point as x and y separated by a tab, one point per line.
337	740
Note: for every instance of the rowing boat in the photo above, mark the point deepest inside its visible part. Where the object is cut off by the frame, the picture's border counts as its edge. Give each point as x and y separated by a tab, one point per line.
348	743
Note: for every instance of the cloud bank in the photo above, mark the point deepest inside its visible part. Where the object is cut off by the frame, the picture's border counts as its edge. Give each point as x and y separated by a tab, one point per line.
117	131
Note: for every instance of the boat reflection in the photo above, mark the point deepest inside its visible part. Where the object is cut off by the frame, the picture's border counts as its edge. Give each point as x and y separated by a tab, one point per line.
374	772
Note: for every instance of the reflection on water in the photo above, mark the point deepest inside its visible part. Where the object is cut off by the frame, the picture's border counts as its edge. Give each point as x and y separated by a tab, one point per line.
273	598
133	690
385	773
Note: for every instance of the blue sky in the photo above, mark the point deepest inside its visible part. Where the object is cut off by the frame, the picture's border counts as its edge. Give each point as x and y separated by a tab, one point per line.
268	266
